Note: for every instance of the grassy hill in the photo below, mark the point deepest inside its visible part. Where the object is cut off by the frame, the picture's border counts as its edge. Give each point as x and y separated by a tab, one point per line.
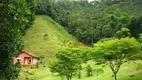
45	37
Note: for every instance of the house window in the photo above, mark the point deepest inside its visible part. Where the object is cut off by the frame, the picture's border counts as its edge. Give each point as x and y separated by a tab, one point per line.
18	59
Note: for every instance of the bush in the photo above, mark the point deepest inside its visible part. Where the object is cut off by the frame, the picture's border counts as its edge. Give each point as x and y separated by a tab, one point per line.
46	35
89	70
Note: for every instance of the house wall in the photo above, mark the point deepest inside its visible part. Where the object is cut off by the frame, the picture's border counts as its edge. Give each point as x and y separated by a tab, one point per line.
35	60
21	56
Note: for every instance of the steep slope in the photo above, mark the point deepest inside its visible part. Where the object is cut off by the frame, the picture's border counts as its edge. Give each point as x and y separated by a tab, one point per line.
45	37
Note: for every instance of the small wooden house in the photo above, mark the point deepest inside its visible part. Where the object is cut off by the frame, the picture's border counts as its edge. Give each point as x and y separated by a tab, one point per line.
26	58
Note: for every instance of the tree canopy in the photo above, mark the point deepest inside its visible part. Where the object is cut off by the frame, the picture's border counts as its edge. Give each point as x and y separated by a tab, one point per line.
115	52
68	62
96	20
16	16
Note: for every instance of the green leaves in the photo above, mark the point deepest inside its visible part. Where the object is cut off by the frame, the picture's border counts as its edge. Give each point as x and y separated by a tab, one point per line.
112	51
116	47
115	52
68	62
88	21
13	23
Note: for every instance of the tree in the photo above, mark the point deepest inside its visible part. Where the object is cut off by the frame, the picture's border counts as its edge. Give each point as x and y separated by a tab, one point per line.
115	52
12	22
68	62
135	26
89	70
140	39
44	7
118	22
28	14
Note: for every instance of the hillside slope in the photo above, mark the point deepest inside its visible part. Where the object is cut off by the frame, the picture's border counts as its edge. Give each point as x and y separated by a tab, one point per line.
45	37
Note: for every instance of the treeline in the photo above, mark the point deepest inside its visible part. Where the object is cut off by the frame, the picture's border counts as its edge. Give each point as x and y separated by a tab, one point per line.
15	18
96	20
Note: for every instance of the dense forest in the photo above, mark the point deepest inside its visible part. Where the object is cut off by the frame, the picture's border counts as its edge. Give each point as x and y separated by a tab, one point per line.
92	21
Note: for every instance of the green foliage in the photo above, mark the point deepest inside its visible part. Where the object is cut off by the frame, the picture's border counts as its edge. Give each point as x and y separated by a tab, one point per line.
43	7
17	69
88	21
85	53
89	70
116	52
135	26
68	62
116	47
98	71
118	24
140	39
13	21
46	35
34	40
29	15
124	32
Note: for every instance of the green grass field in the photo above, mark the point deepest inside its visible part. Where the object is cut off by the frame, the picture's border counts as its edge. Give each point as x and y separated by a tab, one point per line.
128	71
46	36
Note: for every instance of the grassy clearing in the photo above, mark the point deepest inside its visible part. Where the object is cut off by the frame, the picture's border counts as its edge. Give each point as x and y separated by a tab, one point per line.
45	37
128	71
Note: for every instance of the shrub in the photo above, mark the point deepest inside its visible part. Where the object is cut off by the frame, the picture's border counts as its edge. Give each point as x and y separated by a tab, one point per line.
46	35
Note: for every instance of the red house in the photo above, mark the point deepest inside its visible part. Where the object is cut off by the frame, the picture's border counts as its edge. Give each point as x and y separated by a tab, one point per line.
26	58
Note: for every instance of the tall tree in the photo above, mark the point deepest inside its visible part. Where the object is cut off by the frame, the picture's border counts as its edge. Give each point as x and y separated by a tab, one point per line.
12	21
118	23
68	62
116	52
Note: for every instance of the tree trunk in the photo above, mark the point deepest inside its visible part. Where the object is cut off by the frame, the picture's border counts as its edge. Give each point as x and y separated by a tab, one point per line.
115	76
79	75
68	78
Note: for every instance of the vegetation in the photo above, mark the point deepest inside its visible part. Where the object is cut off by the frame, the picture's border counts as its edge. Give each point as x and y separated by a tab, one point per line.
16	16
45	47
116	52
106	22
96	20
68	62
89	70
128	71
43	72
109	33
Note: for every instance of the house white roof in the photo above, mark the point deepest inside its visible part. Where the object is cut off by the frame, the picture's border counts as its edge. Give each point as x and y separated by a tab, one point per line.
35	56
